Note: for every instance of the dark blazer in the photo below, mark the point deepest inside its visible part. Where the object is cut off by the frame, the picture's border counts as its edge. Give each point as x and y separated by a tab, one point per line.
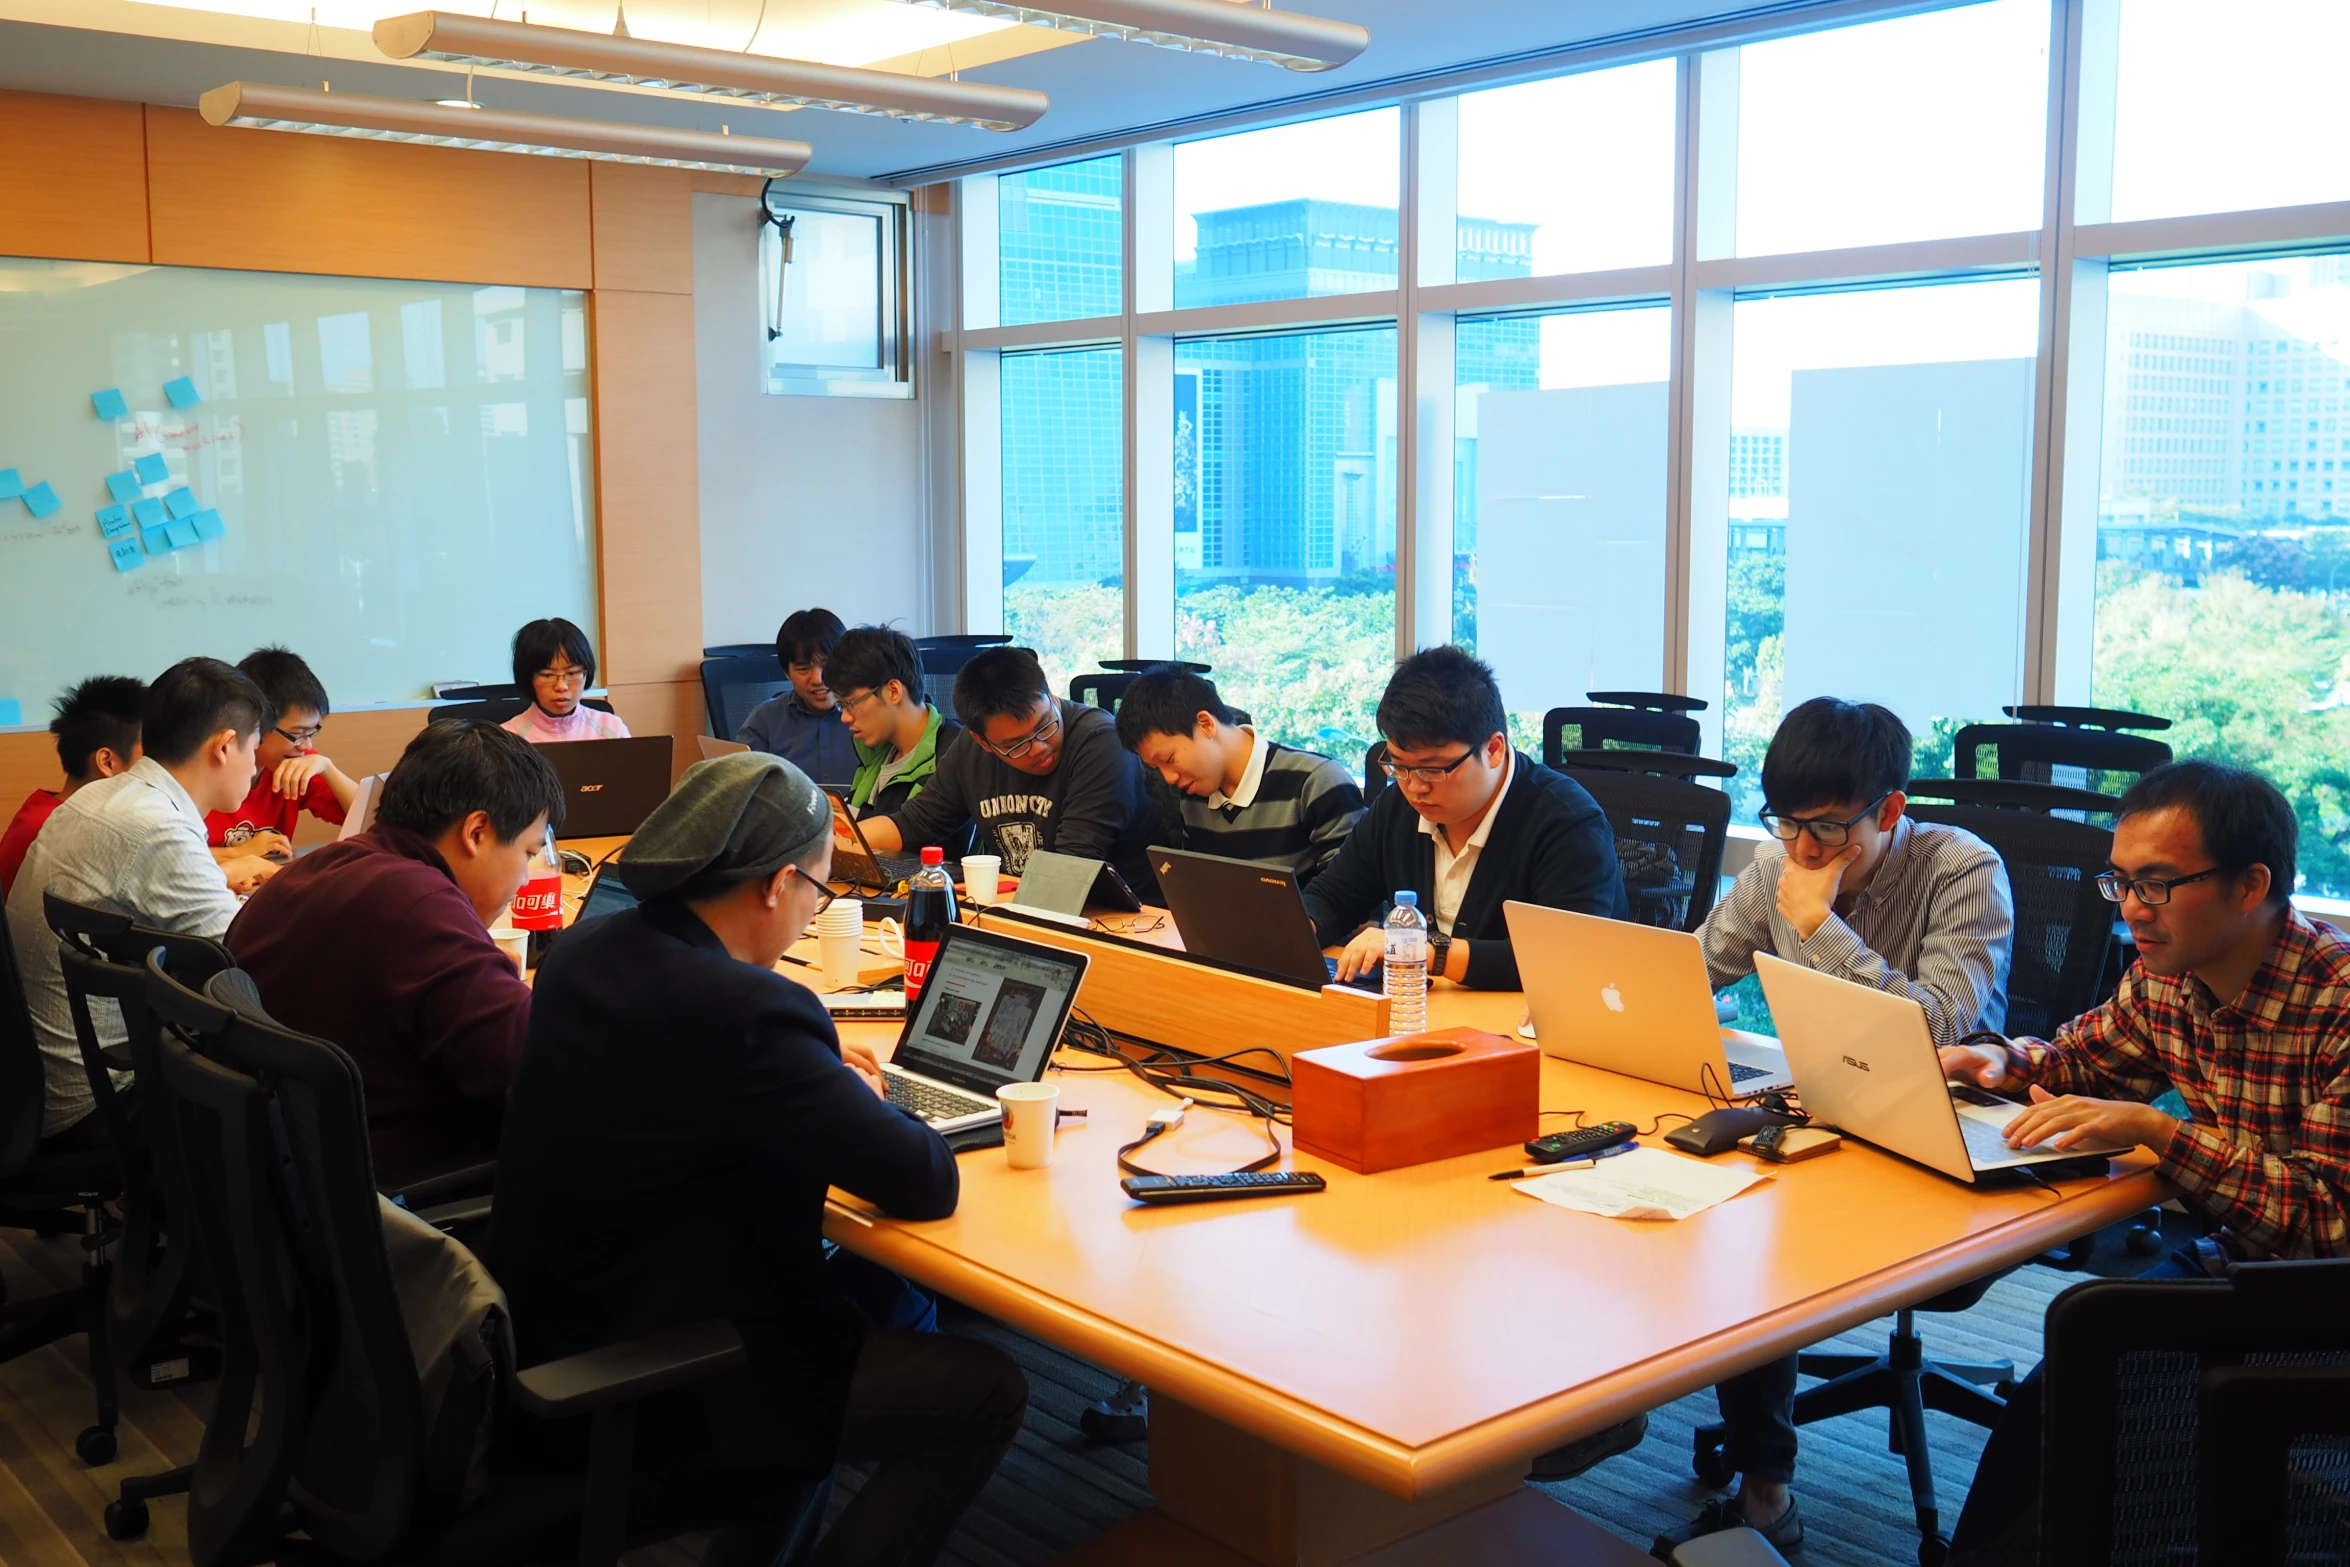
1550	844
676	1120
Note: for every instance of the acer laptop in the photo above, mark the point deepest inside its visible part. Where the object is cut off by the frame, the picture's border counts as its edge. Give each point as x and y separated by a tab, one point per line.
1865	1063
609	786
1634	999
990	1013
1248	916
714	748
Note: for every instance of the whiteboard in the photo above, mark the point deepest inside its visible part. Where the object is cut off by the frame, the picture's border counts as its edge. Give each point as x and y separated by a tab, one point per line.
397	474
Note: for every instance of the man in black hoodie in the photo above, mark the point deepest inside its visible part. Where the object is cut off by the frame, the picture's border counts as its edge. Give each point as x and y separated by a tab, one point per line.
1470	825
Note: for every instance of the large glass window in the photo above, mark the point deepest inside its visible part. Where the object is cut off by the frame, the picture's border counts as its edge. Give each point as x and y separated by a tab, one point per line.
1285	527
1559	464
2223	544
2223	109
1525	210
1059	236
1880	477
1064	504
1288	213
1915	128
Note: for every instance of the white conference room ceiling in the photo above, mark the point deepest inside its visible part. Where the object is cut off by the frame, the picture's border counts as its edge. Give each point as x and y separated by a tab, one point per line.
172	52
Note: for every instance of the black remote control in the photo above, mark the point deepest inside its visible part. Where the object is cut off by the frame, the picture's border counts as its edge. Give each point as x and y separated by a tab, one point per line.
1582	1144
1219	1188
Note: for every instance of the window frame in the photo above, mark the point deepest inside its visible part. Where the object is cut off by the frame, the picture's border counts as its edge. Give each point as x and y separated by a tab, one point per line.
894	376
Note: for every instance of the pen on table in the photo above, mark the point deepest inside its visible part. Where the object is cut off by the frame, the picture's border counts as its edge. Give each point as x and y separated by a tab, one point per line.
1564	1164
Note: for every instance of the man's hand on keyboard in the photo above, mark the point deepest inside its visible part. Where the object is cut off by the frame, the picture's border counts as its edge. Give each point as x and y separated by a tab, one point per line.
861	1060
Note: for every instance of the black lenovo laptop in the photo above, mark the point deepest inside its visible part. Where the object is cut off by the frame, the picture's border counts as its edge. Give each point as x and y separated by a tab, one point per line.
609	786
1248	916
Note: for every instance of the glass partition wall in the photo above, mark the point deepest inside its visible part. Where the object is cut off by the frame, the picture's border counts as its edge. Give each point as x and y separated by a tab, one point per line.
1987	354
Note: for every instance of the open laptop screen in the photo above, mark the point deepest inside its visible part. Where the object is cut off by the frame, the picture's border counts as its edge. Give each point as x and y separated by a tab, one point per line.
991	1010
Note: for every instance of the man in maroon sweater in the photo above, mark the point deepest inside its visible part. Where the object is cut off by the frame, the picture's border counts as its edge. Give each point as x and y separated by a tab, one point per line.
380	943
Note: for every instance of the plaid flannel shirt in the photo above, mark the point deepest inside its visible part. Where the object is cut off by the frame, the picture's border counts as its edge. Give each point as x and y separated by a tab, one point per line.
2267	1076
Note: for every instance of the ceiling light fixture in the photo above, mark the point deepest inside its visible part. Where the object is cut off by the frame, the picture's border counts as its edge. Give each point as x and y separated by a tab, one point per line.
716	73
261	107
1219	27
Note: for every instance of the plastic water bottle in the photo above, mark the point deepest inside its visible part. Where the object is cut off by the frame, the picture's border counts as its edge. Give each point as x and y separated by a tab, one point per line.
930	909
1407	965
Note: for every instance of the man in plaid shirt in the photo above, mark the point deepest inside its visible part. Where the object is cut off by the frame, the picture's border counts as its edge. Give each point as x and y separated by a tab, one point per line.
2238	1002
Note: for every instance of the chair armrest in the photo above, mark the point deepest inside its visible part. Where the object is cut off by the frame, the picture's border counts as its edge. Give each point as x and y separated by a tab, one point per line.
622	1373
117	1057
446	1185
448	1216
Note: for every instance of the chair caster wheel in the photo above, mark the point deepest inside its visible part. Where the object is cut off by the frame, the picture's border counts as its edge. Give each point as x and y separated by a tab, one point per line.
1933	1551
1712	1467
95	1446
126	1520
2143	1243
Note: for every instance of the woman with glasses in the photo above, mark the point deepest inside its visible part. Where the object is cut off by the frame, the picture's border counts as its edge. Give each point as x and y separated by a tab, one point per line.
555	664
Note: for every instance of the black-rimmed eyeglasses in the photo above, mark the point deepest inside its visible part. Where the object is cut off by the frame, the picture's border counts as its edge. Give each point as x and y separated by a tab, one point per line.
1020	748
2153	891
1425	772
1825	831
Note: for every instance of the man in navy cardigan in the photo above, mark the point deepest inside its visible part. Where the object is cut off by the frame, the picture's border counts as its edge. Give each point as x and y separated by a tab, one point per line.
1470	825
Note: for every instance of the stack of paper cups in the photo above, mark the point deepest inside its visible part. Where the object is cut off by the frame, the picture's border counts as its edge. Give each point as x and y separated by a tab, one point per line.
839	930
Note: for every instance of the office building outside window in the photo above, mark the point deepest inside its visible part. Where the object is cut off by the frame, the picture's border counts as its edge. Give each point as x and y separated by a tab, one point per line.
1064	501
1059	232
1293	212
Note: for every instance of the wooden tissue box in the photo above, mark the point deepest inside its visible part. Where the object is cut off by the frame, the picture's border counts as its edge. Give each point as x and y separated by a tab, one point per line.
1380	1104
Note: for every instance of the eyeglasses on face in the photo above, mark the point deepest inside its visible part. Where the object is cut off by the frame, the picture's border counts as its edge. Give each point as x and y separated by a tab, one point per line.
824	894
1428	772
563	675
2153	891
1825	831
302	736
1020	748
850	704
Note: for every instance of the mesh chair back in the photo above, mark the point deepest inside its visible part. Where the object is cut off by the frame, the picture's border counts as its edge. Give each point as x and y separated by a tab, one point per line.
1135	666
732	687
2094	759
1670	835
1375	771
948	655
1567	729
2086	717
1654	701
495	709
1099	690
24	1091
2063	925
740	650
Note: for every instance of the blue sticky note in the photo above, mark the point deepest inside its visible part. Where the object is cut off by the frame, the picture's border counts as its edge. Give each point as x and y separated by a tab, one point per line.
149	512
182	392
123	486
110	405
208	524
126	554
41	499
183	534
158	542
10	713
113	521
181	502
152	469
10	485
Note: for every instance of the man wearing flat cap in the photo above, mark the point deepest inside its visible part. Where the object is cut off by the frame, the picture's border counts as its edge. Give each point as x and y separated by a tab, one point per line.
679	1112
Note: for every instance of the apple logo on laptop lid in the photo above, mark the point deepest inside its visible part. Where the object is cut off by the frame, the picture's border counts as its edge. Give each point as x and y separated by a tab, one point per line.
1611	998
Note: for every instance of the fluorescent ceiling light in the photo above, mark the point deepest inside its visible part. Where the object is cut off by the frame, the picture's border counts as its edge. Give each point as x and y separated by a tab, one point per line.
1220	27
262	107
719	73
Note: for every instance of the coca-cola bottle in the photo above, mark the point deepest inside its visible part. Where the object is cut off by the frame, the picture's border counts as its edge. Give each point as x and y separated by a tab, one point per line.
538	903
930	909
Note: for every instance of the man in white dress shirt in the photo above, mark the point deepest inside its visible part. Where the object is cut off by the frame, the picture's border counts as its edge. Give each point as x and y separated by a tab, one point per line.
135	843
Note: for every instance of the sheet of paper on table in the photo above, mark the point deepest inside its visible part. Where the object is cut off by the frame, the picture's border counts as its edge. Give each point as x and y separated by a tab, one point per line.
1647	1183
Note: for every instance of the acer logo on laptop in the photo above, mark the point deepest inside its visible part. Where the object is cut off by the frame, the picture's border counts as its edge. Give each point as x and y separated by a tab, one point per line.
1856	1063
590	788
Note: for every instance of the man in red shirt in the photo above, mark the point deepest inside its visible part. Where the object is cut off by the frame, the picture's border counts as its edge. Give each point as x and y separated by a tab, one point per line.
253	840
97	730
381	944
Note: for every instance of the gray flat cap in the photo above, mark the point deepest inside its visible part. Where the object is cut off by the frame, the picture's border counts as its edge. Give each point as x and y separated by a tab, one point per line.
750	812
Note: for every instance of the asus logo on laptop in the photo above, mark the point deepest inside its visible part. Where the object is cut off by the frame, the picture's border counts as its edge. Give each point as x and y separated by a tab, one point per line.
1852	1062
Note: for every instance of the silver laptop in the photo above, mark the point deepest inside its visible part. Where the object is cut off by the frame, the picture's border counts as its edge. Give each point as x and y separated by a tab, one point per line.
1634	999
361	816
990	1013
1865	1063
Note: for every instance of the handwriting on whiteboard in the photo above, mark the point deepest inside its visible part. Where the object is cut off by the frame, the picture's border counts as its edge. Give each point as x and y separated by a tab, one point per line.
188	437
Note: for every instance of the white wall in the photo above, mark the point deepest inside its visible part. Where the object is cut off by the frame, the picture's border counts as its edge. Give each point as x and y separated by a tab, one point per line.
805	500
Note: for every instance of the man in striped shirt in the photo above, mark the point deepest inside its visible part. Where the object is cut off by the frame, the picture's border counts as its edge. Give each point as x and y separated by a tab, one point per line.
1244	797
2238	1002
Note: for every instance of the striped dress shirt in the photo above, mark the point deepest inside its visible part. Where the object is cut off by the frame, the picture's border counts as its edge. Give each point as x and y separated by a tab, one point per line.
1292	809
1934	924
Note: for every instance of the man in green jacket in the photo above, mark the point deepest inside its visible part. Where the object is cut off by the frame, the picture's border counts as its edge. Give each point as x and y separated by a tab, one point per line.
876	678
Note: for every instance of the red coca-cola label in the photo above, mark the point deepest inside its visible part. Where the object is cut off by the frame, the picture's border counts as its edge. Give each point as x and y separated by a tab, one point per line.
919	956
539	905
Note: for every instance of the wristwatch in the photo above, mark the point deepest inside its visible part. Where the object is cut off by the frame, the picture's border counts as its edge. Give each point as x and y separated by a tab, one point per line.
1439	948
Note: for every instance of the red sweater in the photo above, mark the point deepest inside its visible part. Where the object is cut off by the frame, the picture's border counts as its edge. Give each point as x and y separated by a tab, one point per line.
266	810
21	833
370	943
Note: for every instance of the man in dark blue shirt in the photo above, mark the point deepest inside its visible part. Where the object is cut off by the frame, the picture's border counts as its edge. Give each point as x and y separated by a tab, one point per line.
803	724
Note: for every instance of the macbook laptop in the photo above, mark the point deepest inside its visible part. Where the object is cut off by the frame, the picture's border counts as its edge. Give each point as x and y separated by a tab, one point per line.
361	816
1634	999
713	747
1247	915
1061	887
609	786
1865	1063
990	1013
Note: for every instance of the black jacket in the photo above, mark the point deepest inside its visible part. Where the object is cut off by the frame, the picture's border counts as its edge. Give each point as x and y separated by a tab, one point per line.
1550	844
672	1129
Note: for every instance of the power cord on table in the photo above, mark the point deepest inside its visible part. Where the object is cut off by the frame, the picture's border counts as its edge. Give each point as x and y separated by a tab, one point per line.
1176	1074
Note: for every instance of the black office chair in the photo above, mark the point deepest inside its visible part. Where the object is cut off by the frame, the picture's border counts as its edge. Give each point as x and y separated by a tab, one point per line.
2199	1421
2087	747
275	1128
1375	771
1100	690
948	655
1651	720
740	650
1670	831
1135	666
495	710
732	687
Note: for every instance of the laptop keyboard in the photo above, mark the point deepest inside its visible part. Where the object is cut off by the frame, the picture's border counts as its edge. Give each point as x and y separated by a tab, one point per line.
1987	1144
930	1101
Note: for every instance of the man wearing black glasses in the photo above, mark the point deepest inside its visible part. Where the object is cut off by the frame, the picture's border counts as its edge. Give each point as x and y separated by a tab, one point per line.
1849	886
1035	773
1470	825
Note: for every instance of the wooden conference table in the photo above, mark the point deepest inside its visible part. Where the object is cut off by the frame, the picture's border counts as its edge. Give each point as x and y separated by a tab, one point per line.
1363	1375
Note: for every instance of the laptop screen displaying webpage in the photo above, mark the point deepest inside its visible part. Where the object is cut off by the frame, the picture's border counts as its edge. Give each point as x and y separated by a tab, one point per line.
991	1011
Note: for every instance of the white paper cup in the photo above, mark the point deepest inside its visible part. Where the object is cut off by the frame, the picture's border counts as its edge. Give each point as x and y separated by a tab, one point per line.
981	873
516	945
840	957
1030	1112
845	917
